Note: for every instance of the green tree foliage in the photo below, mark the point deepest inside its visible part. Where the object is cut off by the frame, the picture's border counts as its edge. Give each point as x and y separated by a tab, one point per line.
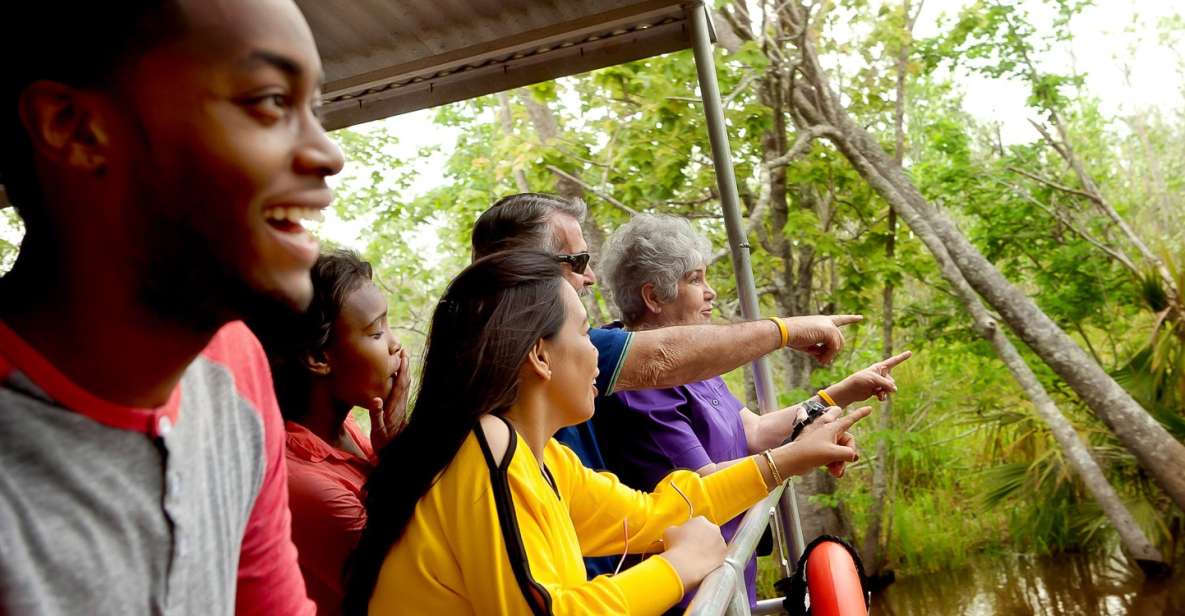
973	470
11	232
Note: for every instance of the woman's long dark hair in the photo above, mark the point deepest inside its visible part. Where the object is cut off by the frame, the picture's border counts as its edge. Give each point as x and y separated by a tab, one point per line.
482	330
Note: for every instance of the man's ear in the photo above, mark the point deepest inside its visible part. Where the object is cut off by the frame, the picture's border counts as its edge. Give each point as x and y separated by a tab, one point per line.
65	125
317	363
539	360
650	298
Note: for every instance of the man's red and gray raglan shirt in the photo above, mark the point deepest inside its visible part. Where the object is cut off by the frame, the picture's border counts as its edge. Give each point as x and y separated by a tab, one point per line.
181	509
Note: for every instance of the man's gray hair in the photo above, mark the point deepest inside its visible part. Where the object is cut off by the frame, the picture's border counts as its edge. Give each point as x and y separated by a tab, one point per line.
523	221
650	249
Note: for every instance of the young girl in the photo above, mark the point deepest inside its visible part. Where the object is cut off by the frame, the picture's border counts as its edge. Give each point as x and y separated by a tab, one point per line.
340	354
475	509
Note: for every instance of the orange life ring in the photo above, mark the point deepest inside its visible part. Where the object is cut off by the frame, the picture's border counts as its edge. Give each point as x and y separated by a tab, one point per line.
834	582
830	576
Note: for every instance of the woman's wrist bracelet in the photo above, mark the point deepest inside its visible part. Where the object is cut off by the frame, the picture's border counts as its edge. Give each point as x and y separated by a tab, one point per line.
773	468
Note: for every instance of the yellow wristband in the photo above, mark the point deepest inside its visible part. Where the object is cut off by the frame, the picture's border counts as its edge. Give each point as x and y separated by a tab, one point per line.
826	398
782	330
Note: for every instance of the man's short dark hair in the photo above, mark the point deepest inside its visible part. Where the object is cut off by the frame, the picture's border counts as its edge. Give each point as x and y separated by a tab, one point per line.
83	44
521	221
288	338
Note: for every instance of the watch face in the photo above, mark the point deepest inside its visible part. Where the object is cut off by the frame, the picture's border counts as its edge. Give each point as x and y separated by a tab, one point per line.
814	408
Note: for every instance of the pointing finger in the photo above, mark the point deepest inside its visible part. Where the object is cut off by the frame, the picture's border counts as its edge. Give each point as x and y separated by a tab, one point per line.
843	424
895	361
839	320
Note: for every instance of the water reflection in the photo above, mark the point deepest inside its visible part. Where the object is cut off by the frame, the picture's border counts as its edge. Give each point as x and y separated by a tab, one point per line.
1068	585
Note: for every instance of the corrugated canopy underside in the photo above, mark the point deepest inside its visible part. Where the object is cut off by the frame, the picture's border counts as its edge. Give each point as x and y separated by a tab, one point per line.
386	57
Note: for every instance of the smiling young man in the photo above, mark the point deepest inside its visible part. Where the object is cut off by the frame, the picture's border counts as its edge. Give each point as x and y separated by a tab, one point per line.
162	155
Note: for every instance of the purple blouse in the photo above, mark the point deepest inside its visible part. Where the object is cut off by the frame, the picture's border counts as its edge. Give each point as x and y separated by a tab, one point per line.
644	435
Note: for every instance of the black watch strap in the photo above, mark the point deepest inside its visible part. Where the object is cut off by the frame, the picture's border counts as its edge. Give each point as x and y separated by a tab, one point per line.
814	409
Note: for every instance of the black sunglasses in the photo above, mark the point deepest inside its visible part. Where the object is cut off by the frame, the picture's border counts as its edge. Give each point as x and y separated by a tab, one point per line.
578	261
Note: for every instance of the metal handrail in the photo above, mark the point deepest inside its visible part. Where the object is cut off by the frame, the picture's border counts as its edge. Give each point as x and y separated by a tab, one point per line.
721	590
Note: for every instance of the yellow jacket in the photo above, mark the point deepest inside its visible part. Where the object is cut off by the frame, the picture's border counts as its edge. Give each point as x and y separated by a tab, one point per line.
493	538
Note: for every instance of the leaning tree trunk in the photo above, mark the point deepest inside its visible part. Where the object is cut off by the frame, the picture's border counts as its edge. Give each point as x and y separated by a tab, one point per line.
505	115
792	286
873	558
1077	454
1076	451
1162	456
821	519
921	221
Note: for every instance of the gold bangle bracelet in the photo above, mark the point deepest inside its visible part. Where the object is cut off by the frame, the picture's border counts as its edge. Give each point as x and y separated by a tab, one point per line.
773	468
783	331
826	398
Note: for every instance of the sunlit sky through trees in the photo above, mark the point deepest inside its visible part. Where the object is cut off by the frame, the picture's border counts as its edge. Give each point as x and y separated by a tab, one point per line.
1116	48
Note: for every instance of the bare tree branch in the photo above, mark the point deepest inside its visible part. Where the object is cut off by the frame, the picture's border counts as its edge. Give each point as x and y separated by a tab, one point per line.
1065	220
741	30
755	219
694	202
1054	185
805	138
741	88
604	196
1091	191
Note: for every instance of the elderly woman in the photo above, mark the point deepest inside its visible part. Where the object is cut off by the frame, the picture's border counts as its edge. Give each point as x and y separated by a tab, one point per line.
655	267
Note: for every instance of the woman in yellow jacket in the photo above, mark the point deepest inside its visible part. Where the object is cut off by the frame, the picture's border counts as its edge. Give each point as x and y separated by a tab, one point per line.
474	509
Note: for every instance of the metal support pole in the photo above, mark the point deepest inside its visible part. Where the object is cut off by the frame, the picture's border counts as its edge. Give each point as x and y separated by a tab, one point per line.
738	242
792	523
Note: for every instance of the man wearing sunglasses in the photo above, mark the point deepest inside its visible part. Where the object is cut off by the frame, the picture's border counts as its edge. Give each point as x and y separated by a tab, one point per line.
658	358
578	261
648	359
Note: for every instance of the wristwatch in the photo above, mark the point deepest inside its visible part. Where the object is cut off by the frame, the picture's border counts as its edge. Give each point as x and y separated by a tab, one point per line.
814	409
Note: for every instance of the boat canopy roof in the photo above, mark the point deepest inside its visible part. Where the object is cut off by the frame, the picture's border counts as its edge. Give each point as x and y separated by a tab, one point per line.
384	58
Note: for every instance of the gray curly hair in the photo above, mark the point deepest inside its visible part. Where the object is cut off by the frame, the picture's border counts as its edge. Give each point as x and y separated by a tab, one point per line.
655	249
